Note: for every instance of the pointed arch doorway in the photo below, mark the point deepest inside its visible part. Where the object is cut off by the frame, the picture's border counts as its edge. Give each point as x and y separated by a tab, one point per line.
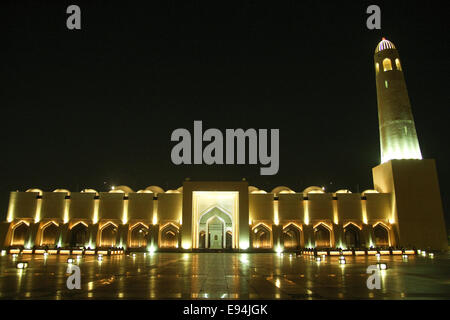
215	229
215	220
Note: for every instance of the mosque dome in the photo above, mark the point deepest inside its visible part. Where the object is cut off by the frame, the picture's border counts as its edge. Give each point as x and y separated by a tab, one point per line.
383	45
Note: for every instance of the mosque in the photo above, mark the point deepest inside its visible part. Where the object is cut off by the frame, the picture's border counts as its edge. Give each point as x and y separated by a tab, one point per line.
403	210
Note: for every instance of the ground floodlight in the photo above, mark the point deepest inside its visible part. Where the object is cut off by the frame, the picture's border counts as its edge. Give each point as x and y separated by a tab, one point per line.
382	266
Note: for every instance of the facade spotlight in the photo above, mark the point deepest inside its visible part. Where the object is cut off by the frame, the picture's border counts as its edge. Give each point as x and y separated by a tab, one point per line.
134	255
318	259
405	256
3	252
431	255
100	257
382	266
378	255
424	253
419	251
22	265
342	260
70	261
79	257
45	254
14	255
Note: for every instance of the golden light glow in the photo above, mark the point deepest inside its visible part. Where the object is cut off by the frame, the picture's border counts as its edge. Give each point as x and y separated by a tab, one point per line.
275	212
352	223
294	224
387	64
335	212
11	208
37	216
66	210
95	211
125	211
306	212
155	219
364	211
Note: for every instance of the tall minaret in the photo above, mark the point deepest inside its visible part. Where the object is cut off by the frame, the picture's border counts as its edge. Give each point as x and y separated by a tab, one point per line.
398	137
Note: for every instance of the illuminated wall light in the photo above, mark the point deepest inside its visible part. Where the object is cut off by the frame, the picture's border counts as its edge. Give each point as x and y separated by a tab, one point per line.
382	266
335	212
11	208
279	249
431	255
243	244
364	211
275	212
70	261
306	211
66	210
37	216
22	265
186	246
125	211
95	213
155	219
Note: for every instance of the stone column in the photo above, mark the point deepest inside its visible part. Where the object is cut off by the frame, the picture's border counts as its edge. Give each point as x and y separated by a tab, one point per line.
338	232
4	228
277	233
122	236
367	237
92	234
30	237
154	235
308	233
63	235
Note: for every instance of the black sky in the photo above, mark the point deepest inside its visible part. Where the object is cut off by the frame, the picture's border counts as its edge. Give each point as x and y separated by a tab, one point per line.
95	106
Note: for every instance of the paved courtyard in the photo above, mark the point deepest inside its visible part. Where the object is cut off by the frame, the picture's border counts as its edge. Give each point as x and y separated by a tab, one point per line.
224	276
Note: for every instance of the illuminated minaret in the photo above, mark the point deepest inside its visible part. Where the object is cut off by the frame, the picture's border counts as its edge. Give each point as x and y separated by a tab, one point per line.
398	137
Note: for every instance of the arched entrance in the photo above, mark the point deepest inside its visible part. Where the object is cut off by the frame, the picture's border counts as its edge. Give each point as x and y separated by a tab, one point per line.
169	236
19	234
381	236
352	237
50	234
291	237
139	233
261	236
78	235
108	235
322	236
215	229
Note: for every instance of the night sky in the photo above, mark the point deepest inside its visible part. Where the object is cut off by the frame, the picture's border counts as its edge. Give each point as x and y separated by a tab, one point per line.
96	107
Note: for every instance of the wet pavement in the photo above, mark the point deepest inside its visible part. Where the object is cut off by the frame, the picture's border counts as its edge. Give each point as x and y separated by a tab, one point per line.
224	276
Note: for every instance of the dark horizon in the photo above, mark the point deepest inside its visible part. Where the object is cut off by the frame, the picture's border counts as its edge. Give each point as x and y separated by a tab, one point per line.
96	107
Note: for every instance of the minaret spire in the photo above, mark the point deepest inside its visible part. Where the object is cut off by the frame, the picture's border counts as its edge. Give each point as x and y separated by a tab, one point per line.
398	137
